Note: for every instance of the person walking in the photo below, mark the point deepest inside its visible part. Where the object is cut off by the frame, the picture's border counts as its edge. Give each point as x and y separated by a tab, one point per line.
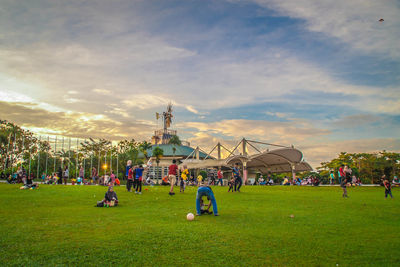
220	175
237	176
172	172
388	187
184	177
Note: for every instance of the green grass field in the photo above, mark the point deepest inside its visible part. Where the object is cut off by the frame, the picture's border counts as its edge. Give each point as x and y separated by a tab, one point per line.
59	225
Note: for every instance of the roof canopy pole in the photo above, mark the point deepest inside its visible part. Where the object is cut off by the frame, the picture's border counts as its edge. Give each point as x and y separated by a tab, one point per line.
293	171
244	150
234	149
212	150
197	153
244	147
219	150
248	142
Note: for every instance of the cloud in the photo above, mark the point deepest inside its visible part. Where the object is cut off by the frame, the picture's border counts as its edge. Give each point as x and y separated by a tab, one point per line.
82	125
354	121
191	109
285	133
102	91
353	22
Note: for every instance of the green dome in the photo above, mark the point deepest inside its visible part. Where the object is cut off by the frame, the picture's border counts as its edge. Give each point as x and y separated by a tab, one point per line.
181	151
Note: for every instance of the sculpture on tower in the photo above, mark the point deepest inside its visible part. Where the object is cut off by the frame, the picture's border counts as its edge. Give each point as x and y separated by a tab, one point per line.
162	136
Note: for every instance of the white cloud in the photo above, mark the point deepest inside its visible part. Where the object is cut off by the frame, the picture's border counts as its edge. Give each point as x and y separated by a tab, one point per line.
102	91
354	22
191	109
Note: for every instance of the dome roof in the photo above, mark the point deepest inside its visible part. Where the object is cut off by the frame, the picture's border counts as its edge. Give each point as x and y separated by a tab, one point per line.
181	151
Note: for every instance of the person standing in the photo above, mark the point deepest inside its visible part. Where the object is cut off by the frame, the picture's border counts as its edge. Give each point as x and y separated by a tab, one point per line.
172	172
388	187
60	175
129	181
81	172
347	172
341	174
332	177
112	178
343	184
220	175
66	175
184	177
94	175
138	179
128	167
237	176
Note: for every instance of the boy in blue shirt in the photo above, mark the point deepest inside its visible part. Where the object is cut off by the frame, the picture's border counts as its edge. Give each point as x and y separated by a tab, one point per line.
206	191
138	179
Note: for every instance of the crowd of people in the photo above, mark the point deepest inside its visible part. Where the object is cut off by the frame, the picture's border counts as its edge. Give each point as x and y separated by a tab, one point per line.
181	177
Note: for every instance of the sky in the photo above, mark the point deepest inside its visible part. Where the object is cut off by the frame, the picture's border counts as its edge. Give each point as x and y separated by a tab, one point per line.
323	76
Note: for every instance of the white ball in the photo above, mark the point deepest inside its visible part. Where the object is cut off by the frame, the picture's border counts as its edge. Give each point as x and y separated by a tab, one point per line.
190	217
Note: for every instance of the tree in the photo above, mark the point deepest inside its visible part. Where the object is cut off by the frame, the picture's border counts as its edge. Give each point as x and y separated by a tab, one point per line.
144	146
158	153
175	140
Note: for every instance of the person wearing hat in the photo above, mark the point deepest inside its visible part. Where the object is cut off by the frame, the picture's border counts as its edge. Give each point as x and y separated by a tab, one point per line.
205	191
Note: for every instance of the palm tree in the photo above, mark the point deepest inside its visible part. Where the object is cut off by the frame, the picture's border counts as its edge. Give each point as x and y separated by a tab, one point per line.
144	146
175	140
158	153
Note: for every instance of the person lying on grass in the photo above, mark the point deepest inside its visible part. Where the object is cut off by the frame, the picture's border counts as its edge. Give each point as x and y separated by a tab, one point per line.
30	186
205	191
110	199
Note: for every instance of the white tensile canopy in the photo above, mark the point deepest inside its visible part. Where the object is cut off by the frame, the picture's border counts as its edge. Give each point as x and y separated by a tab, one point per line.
276	161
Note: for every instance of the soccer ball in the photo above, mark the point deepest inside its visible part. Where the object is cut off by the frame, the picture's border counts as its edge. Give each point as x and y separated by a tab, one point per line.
190	217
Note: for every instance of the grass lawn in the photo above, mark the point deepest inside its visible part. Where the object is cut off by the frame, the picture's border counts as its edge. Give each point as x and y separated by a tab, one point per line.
59	225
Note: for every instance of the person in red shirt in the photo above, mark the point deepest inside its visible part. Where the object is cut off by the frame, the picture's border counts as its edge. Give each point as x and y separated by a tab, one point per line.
220	175
129	181
342	175
172	173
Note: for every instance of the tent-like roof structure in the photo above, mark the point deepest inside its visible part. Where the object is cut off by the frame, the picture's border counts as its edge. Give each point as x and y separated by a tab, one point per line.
276	161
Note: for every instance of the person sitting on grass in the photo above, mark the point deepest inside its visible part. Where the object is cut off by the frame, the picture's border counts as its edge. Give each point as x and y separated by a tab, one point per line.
286	181
165	180
110	199
395	181
206	191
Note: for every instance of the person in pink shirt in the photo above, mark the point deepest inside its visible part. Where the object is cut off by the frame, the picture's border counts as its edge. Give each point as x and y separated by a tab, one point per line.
112	177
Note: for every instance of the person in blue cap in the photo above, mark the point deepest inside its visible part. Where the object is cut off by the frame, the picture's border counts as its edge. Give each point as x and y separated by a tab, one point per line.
205	191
